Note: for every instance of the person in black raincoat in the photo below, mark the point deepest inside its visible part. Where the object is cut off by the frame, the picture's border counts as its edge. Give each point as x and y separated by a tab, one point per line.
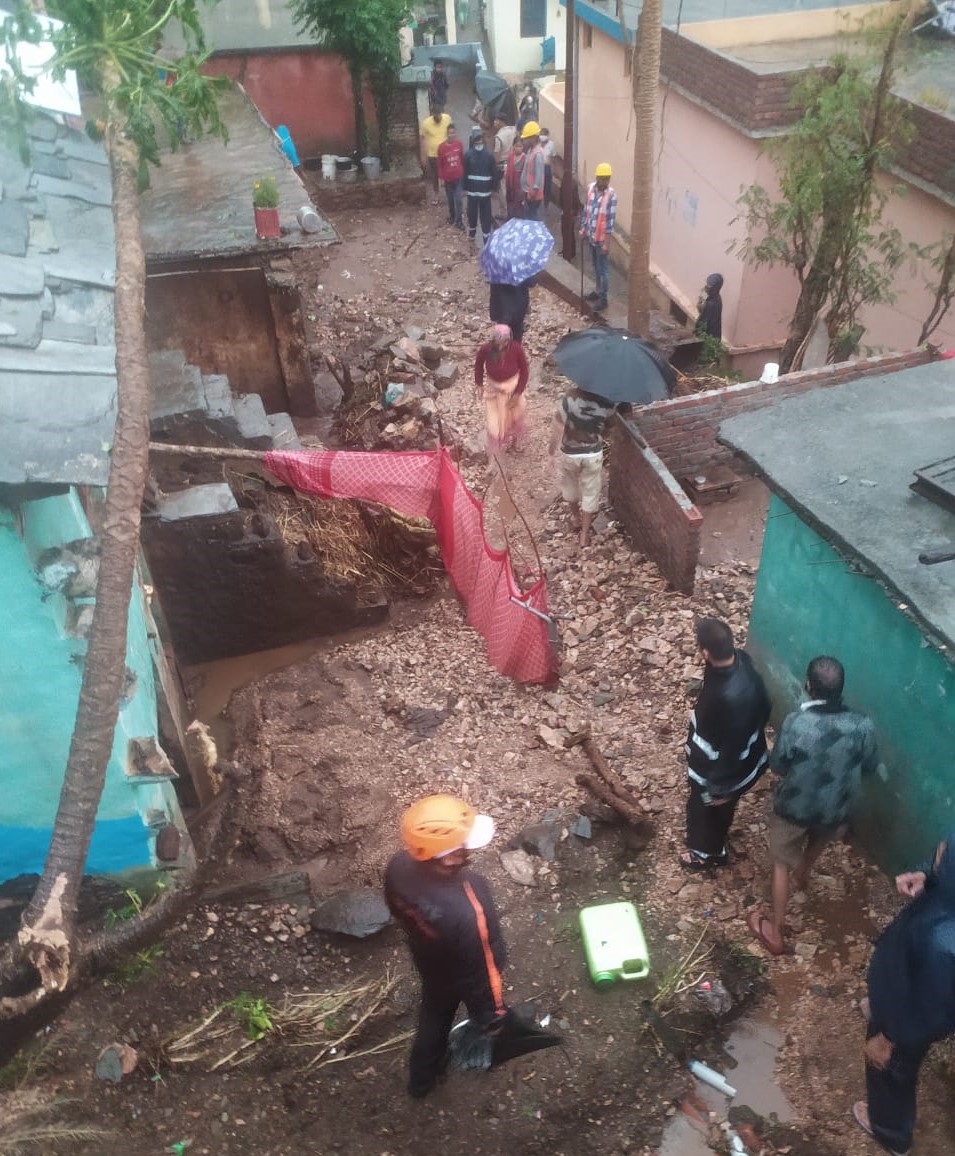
710	319
452	926
911	999
508	305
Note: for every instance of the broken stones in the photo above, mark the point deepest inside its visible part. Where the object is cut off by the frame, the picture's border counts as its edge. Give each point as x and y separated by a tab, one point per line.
539	839
116	1061
520	867
358	912
446	375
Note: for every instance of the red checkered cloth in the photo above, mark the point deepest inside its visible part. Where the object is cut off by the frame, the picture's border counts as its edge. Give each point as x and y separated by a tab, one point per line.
426	484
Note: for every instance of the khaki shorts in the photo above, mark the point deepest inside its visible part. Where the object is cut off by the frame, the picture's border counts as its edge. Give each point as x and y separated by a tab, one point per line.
787	842
581	476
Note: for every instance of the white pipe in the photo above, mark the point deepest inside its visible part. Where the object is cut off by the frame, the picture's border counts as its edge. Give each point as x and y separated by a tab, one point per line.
714	1079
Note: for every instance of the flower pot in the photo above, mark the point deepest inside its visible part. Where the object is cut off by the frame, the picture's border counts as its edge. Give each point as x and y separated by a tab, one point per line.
267	223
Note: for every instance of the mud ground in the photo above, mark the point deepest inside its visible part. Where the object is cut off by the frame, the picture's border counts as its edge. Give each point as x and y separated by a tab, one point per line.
332	746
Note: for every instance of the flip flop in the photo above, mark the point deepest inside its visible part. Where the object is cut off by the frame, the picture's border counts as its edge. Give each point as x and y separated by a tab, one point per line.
756	921
691	861
863	1122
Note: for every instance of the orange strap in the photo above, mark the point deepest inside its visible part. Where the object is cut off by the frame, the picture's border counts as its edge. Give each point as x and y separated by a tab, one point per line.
493	975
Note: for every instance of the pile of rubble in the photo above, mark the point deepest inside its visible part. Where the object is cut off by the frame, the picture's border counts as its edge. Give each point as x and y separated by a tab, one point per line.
391	405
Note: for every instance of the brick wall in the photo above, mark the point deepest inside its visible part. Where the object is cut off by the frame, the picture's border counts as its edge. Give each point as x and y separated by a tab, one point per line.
755	101
931	154
683	431
656	513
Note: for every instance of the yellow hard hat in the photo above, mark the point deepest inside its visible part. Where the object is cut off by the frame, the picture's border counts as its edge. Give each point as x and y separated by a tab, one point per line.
439	824
532	128
603	170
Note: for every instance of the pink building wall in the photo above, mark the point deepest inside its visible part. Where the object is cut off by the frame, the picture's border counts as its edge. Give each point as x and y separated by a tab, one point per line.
704	164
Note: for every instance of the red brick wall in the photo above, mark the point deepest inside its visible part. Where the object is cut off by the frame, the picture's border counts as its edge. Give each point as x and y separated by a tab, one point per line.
659	517
308	90
683	431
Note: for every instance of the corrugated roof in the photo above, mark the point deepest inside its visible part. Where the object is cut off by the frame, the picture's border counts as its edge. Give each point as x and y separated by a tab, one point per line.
57	272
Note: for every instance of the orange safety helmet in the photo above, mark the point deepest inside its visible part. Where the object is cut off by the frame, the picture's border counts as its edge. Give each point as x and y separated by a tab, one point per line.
439	824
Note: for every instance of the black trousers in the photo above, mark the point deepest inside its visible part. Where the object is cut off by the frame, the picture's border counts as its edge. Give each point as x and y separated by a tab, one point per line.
440	999
707	826
480	206
452	190
891	1095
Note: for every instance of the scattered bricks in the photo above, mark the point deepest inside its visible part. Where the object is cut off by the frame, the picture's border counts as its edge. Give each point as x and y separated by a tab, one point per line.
446	375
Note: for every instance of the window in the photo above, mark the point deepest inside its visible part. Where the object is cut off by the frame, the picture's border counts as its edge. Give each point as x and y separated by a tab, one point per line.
533	19
588	36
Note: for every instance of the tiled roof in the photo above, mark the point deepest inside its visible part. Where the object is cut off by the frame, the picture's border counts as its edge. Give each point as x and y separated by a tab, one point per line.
57	273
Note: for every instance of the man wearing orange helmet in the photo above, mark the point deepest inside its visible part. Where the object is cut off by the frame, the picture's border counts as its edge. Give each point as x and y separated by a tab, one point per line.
452	926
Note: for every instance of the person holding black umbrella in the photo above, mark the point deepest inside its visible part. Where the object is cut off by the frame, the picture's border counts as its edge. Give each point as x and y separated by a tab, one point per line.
578	431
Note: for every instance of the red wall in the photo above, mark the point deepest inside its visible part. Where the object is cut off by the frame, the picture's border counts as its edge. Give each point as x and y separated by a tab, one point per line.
308	90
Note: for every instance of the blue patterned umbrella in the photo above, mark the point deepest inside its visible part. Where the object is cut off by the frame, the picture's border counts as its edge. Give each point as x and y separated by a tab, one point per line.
516	251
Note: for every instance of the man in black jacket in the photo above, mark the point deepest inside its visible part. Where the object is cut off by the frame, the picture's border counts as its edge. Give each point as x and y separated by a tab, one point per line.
726	744
481	178
452	926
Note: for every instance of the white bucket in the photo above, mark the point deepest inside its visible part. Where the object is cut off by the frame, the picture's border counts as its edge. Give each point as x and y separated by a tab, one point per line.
328	167
770	373
372	167
308	220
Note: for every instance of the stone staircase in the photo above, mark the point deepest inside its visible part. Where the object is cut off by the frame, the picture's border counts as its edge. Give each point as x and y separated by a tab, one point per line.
196	408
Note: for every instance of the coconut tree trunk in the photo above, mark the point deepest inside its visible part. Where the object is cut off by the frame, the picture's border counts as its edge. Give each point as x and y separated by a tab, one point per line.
646	82
48	931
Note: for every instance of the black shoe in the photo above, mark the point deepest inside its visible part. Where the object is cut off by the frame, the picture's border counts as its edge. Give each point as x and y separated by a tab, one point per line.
600	304
591	296
419	1091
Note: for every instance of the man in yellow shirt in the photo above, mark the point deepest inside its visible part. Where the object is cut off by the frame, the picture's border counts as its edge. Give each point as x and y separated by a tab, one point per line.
434	132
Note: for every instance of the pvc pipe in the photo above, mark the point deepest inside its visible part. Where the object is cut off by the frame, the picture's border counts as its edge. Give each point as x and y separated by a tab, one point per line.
714	1079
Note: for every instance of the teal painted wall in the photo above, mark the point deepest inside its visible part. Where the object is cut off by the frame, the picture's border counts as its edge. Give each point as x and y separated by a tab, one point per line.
40	674
808	602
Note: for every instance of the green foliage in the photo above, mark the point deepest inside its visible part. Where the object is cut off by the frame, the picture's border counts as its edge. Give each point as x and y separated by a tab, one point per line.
140	964
132	909
26	1066
826	225
254	1013
114	47
265	193
365	34
20	26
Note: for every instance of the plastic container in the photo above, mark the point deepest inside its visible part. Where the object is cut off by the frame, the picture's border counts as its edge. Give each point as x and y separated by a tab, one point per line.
329	166
372	167
343	163
348	176
614	943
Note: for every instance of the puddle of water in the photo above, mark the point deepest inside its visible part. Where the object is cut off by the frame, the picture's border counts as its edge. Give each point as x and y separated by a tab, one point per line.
221	679
753	1048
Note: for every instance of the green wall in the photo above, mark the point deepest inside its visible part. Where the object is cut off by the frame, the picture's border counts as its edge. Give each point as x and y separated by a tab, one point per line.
40	672
809	601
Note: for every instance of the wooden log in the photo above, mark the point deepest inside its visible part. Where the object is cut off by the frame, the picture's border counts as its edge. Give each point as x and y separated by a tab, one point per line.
625	808
617	786
206	452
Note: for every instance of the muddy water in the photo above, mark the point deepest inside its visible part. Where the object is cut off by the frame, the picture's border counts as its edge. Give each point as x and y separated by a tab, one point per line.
750	1067
214	683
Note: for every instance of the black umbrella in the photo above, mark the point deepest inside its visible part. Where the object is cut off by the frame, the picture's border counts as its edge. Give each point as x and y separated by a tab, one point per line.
615	365
496	95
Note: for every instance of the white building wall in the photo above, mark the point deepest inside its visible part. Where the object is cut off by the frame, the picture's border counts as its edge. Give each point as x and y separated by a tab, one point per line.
510	53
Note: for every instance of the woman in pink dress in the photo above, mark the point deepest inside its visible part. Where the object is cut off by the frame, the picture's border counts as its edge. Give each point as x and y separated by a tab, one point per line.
500	378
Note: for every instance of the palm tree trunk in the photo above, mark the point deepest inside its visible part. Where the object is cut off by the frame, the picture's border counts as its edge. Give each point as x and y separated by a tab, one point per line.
48	931
646	82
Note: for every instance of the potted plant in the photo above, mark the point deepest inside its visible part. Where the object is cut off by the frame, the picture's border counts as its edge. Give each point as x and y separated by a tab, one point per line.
265	206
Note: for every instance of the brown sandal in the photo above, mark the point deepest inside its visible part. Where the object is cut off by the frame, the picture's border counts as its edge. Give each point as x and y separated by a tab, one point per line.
756	921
